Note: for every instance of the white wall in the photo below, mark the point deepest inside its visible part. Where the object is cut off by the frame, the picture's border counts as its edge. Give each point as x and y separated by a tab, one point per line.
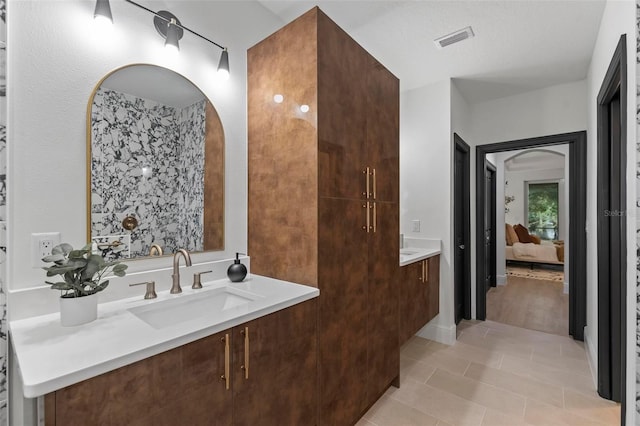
55	60
549	111
618	18
426	184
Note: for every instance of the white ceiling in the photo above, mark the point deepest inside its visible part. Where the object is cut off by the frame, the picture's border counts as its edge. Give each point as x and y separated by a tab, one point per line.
520	45
535	160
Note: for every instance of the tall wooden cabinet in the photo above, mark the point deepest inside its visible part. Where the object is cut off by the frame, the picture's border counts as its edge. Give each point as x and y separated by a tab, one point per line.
323	199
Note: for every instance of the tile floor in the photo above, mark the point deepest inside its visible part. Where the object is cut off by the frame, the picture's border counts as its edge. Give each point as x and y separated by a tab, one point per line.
495	374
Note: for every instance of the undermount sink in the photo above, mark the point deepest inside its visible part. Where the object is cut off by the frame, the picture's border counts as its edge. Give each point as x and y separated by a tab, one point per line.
190	307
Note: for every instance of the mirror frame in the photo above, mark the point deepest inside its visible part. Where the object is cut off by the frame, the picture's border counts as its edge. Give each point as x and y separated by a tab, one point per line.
88	158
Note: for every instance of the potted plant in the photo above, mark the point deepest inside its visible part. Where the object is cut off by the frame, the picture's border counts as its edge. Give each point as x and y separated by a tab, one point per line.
82	273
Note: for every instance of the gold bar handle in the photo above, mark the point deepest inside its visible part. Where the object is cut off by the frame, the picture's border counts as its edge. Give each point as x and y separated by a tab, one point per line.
375	217
367	226
373	174
245	367
426	270
367	186
227	361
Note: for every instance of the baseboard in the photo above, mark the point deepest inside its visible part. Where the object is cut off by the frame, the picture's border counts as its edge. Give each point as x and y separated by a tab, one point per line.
592	357
566	288
438	333
501	279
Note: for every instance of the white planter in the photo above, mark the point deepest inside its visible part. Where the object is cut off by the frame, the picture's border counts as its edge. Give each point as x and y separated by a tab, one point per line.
78	310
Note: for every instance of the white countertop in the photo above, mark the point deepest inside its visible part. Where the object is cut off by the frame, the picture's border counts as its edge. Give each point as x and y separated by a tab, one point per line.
409	255
51	357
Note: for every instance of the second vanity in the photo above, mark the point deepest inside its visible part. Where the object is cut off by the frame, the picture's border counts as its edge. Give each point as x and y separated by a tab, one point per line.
177	360
419	294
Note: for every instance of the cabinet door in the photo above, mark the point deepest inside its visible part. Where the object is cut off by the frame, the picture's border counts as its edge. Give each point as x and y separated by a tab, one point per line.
180	386
382	304
413	301
383	134
342	65
342	325
274	368
433	287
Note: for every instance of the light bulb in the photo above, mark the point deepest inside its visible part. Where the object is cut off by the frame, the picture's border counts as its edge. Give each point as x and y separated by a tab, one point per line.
278	98
304	108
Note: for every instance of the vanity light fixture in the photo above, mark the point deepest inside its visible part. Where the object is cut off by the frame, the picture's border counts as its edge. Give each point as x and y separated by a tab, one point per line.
278	98
304	108
170	28
102	12
167	26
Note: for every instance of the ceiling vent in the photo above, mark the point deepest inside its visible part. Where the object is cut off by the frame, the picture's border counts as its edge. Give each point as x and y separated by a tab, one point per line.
454	37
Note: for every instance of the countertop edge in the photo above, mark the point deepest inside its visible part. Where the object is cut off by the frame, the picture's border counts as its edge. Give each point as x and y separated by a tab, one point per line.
424	254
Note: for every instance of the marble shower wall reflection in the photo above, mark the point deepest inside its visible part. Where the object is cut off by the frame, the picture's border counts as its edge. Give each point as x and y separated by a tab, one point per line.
146	159
3	215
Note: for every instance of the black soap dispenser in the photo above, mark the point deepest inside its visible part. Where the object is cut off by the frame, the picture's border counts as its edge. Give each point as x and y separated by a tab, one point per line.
237	271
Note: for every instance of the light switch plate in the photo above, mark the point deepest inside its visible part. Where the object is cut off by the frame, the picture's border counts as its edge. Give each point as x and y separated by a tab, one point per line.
41	245
415	226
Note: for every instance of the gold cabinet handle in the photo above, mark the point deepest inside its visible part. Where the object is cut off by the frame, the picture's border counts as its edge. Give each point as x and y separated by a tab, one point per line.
366	176
367	226
245	367
375	216
373	175
426	270
227	361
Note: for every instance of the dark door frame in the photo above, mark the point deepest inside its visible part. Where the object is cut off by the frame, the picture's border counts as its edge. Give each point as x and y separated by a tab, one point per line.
577	142
463	147
612	230
492	237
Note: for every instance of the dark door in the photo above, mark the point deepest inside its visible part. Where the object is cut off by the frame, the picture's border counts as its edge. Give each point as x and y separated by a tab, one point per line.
612	230
462	293
490	227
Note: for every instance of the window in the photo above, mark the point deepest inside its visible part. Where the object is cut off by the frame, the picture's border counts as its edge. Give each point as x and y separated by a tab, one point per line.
542	209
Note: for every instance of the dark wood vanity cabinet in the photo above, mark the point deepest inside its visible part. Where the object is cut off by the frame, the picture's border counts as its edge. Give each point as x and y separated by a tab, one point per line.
419	295
323	199
204	383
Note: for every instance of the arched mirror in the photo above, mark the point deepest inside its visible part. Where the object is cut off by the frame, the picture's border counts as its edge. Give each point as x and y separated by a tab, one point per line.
155	162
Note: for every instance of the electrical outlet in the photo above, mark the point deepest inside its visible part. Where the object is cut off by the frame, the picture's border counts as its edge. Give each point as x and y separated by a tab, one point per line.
41	245
415	225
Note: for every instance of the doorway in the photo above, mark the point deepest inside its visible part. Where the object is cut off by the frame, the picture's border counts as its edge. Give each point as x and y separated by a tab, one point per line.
462	233
577	228
612	235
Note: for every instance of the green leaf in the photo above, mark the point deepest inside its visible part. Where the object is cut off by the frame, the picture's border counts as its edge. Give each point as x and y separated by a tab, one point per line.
94	265
59	270
63	249
77	254
60	286
102	285
53	258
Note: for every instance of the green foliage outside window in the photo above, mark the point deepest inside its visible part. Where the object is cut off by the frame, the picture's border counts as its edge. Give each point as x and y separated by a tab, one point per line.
543	210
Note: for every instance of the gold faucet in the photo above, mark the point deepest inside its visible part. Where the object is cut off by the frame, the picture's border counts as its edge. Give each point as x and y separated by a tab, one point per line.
175	288
155	250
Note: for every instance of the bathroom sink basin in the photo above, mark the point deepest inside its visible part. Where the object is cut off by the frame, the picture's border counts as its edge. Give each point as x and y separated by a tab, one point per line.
192	307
